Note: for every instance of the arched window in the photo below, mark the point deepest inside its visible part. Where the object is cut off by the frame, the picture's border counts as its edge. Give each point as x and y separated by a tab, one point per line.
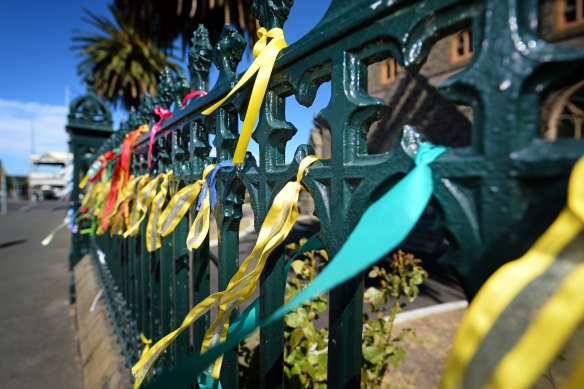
566	115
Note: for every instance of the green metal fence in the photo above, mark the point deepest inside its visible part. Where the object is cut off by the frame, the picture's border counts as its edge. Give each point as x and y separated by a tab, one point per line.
493	197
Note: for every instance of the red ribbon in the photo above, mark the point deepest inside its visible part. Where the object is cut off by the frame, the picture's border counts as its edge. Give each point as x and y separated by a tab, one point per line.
111	196
121	173
163	113
191	95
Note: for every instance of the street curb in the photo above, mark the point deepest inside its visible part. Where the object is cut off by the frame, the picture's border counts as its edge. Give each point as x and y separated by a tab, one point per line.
431	310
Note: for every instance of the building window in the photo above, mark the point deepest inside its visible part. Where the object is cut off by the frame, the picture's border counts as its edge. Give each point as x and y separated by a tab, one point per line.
389	71
569	14
566	114
461	46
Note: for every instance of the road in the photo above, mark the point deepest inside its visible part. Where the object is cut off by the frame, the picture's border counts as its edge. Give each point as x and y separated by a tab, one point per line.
37	344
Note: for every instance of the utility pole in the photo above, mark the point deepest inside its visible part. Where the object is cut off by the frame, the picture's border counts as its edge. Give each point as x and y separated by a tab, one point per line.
4	207
32	148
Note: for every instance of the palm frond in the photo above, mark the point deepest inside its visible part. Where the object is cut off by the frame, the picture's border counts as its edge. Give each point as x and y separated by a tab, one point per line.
125	64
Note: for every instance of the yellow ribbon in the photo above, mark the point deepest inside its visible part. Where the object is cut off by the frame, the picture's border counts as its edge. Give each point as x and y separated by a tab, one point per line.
265	54
152	234
134	214
84	181
147	342
120	213
179	204
49	238
553	324
100	206
130	194
114	219
90	198
277	225
117	227
200	227
141	204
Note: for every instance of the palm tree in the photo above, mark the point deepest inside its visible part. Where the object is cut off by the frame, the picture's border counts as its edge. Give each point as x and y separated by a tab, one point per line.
125	64
165	20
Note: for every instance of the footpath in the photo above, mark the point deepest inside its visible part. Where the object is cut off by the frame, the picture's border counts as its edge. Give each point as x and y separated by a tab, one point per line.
38	348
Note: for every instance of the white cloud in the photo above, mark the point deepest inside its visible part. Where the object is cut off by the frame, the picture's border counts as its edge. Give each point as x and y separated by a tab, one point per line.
16	121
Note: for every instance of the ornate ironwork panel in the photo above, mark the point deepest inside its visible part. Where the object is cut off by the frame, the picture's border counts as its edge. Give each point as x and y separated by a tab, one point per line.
493	197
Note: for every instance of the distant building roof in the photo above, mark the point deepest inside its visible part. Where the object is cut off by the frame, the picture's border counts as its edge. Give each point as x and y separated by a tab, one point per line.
52	158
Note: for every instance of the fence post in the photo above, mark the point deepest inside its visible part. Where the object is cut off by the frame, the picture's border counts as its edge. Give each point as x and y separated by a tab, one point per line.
89	124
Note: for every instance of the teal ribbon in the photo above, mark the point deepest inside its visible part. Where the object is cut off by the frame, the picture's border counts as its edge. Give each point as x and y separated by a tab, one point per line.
249	319
397	211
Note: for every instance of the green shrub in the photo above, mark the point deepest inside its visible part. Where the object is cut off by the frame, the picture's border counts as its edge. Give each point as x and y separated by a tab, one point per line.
306	347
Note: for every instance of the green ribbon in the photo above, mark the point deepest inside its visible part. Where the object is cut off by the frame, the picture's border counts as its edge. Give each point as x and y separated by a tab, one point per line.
397	211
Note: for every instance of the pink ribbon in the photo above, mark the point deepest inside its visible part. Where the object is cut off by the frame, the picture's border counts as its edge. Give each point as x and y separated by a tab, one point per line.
191	95
163	113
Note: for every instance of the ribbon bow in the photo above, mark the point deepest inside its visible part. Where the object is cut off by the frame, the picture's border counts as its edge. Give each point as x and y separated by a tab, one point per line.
265	54
264	34
163	113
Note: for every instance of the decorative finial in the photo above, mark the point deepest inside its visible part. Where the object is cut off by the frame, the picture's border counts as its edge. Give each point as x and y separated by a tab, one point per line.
90	81
89	110
146	110
180	89
200	58
272	13
133	121
228	52
165	89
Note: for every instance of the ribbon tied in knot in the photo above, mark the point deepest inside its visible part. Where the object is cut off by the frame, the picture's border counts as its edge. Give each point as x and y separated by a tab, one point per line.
263	34
163	113
265	53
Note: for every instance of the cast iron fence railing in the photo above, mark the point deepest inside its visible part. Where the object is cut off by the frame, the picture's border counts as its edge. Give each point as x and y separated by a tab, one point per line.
493	197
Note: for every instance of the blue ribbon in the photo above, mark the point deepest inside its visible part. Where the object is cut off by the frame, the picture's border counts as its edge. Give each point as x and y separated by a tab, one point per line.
397	211
71	216
210	184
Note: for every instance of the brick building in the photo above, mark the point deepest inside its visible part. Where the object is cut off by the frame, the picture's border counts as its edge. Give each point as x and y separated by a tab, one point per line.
562	109
416	100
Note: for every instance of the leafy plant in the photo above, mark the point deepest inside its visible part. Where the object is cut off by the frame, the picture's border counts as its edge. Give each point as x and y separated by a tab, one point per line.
306	347
379	345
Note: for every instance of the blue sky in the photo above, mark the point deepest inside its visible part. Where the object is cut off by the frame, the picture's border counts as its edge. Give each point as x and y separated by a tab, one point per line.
38	67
